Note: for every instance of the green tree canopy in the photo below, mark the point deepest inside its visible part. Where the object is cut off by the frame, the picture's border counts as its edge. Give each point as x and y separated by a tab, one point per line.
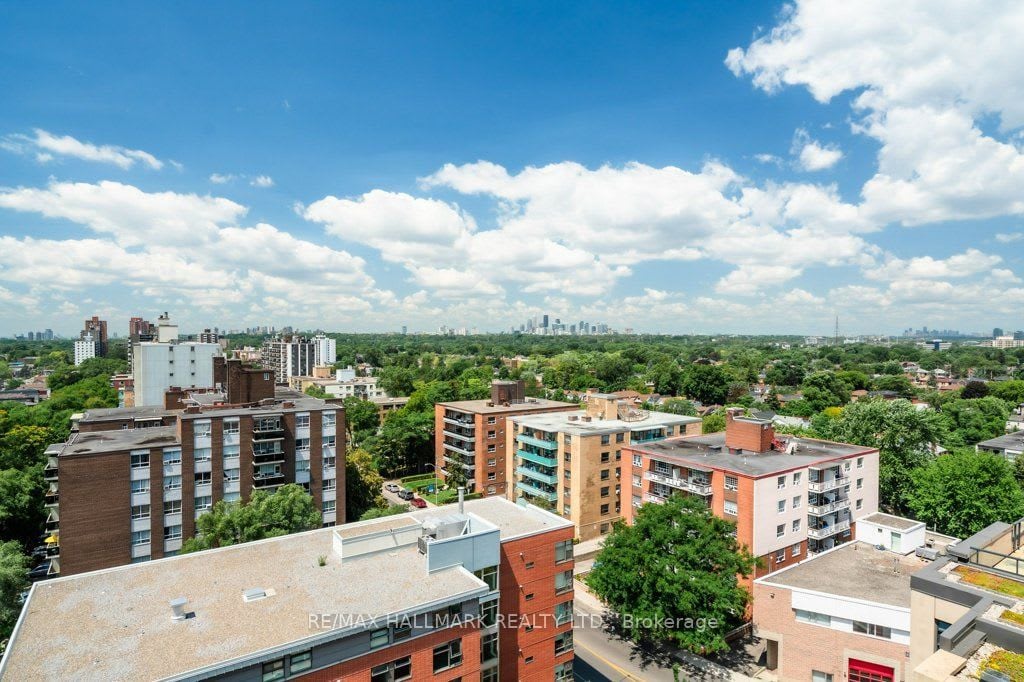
707	383
288	510
677	561
13	581
363	484
361	417
976	420
961	492
824	389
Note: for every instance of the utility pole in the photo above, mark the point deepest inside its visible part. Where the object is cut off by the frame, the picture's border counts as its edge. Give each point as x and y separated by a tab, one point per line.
837	331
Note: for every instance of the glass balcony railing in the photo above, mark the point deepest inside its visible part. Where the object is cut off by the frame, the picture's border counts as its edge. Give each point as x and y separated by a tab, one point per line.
536	491
537	442
537	459
537	475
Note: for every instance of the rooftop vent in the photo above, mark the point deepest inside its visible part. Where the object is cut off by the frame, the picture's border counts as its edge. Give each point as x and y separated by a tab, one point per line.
574	417
178	611
256	593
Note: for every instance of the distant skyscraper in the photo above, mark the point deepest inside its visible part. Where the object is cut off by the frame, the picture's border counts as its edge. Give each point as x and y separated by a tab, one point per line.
998	331
96	330
544	322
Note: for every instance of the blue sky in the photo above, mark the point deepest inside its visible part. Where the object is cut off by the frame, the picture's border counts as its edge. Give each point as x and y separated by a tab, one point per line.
672	167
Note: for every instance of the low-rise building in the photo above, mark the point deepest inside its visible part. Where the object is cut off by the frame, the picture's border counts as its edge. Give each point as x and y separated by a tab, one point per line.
472	434
129	484
571	461
789	496
1008	446
484	592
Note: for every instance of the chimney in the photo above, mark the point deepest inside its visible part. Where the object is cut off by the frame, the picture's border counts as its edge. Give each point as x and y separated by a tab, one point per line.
462	499
178	608
746	433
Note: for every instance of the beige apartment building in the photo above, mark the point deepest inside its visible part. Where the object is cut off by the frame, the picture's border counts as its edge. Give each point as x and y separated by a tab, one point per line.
571	462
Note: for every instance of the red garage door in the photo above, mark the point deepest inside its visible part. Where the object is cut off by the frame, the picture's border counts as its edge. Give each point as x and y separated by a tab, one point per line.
862	671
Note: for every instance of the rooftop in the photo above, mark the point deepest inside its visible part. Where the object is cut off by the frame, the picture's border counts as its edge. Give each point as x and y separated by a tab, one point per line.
207	400
91	442
116	623
709	451
559	422
1011	441
867	573
890	521
489	407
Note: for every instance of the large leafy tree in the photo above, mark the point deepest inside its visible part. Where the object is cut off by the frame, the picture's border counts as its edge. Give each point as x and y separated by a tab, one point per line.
363	484
677	561
405	442
288	510
361	418
13	581
904	436
707	383
963	491
824	389
976	420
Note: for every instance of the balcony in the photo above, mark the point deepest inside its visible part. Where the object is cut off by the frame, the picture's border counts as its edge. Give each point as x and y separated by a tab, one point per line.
698	487
537	442
459	448
52	498
535	491
655	498
822	509
536	475
50	472
267	479
268	458
828	531
468	438
468	466
466	421
262	427
537	459
639	437
830	484
53	521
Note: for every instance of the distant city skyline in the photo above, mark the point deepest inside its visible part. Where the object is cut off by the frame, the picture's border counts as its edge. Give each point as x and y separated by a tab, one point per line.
674	168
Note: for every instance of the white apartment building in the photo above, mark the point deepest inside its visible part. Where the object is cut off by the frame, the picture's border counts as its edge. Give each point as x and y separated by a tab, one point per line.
325	350
85	348
158	366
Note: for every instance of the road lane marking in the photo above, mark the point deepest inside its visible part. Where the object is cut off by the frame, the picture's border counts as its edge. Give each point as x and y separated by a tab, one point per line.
604	660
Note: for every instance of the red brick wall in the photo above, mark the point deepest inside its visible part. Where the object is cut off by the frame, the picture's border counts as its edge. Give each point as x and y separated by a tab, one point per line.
517	581
95	512
422	651
804	647
743	435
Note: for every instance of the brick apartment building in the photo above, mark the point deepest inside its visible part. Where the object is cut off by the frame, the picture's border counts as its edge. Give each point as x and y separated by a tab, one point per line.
788	496
571	461
481	592
129	484
474	431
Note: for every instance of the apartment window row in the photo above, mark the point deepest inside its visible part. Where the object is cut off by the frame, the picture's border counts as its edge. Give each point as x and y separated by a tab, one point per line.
286	667
489	575
394	671
448	655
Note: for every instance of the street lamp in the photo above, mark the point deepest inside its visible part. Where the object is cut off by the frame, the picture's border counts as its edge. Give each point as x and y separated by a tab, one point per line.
436	479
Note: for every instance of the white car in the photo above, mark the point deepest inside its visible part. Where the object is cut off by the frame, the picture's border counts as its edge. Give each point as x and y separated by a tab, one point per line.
392	487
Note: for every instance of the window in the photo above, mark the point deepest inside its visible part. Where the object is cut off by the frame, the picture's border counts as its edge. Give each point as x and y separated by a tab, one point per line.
796	502
231	474
490	476
528	660
605	491
638	461
301	465
329	441
860	483
273	670
567	457
605	474
140	512
489	575
563	643
780	530
846	465
201	429
940	627
230	426
492	448
204	477
330	461
299	662
172	483
329	484
489	613
529	596
730	508
328	419
606	457
563	612
872	629
302	421
204	502
563	582
563	551
379	638
491	435
860	503
140	537
618	455
140	460
781	505
636	481
489	647
796	478
731	483
492	461
172	507
795	550
231	451
172	532
563	672
780	556
796	525
492	420
604	509
402	631
302	444
860	462
781	483
812	617
448	655
202	454
606	439
141	486
395	671
329	506
172	457
818	676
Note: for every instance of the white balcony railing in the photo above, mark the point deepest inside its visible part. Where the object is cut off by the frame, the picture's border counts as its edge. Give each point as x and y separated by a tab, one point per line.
822	509
697	487
830	484
828	531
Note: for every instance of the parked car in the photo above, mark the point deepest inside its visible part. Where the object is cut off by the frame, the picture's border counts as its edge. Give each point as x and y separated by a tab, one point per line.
405	494
40	572
392	487
418	502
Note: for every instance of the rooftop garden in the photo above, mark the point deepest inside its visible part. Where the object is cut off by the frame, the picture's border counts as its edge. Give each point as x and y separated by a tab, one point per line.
989	581
1006	662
